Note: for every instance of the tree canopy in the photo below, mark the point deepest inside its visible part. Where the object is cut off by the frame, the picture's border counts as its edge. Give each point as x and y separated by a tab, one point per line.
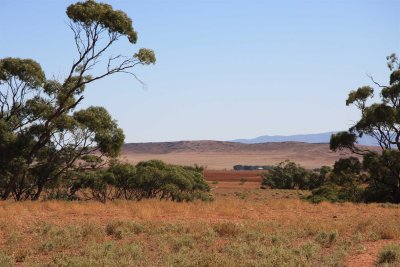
380	120
44	139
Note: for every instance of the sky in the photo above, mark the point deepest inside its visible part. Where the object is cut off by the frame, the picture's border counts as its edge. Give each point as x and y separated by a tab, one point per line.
225	69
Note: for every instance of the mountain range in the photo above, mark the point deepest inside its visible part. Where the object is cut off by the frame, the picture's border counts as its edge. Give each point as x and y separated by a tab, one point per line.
317	138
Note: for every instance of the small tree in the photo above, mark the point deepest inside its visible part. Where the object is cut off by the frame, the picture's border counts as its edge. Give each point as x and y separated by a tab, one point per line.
319	177
42	137
380	120
286	175
344	183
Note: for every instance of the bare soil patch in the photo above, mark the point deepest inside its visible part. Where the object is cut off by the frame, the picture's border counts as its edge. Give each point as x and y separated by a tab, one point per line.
232	176
368	256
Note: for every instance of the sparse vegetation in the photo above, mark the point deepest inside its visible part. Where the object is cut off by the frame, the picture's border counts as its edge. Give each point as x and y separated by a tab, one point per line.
389	255
261	230
67	161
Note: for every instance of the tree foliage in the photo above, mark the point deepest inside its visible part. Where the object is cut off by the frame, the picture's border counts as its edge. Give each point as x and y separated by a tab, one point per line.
148	179
286	175
344	183
44	140
289	175
380	120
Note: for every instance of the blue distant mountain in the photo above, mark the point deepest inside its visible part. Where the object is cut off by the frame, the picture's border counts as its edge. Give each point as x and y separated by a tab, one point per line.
305	138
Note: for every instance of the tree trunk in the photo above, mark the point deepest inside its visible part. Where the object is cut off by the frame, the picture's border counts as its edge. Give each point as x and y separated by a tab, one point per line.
39	191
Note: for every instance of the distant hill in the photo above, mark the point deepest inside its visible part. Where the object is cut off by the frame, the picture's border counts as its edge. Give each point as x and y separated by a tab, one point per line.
317	138
224	155
213	146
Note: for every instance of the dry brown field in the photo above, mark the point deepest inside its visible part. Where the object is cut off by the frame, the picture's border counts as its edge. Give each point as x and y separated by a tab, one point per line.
244	226
215	155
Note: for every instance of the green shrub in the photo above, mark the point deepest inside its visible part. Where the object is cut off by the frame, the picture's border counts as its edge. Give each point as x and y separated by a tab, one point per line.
335	193
285	175
324	193
390	254
327	239
308	249
181	242
119	229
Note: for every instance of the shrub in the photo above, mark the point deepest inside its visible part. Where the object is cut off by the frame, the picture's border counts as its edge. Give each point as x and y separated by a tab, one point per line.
326	239
119	229
318	177
181	242
227	229
286	175
344	183
390	254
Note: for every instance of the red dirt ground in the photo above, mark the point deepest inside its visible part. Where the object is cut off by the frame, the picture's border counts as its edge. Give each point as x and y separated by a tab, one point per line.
368	257
232	176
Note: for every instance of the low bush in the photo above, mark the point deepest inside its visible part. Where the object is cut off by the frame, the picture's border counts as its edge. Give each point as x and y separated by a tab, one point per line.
228	229
390	254
327	239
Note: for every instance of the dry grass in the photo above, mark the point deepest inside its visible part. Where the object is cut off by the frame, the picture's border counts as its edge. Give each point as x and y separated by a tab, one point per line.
245	227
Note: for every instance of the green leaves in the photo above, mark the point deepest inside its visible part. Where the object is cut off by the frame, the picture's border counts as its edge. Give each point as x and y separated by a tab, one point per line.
286	175
381	121
94	14
149	179
146	56
360	95
342	140
26	71
107	135
37	125
395	77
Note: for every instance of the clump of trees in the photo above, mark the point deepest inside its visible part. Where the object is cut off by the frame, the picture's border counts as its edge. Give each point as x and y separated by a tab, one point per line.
380	120
342	183
377	177
44	140
51	150
289	175
148	179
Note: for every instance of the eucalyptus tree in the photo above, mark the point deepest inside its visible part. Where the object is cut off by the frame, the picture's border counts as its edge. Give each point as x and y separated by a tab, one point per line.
148	179
43	136
380	120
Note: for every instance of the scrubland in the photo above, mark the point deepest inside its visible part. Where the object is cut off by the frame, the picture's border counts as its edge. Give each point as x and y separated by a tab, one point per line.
242	227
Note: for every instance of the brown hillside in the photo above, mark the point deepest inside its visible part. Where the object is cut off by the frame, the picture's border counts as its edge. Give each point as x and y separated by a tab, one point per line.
224	155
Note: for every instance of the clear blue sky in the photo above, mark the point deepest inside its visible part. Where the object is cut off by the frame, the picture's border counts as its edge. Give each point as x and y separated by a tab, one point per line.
225	69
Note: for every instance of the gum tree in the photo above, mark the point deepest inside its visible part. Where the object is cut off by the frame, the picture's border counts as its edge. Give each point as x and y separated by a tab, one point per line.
380	120
42	135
